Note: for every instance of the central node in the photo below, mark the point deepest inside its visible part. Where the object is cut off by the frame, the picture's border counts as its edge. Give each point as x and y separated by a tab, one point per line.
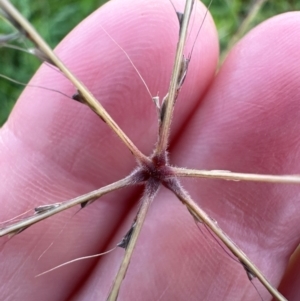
157	169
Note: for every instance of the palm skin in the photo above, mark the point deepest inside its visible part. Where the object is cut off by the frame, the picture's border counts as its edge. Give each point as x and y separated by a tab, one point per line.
244	119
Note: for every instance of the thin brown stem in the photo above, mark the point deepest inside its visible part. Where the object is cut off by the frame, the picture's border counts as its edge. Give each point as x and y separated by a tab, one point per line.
140	218
43	213
88	97
235	176
176	74
202	217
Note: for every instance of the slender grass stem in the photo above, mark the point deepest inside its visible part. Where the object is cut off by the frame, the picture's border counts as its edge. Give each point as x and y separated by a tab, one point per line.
202	217
88	97
164	131
235	176
39	215
140	218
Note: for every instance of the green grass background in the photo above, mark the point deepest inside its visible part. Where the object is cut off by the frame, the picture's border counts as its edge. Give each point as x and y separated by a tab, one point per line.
49	17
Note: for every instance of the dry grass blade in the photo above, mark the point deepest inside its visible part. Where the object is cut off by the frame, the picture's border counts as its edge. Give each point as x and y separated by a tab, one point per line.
85	94
175	84
202	217
132	240
235	176
42	213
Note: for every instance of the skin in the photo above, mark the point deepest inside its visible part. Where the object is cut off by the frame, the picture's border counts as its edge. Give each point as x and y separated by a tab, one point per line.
244	119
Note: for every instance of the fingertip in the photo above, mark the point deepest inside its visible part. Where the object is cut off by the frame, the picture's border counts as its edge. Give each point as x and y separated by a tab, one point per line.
264	60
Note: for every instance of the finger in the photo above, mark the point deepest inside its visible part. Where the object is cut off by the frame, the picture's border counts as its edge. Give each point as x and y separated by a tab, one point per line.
55	149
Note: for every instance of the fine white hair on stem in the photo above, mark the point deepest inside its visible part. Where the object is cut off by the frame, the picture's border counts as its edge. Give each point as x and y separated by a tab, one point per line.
13	219
76	260
33	86
129	59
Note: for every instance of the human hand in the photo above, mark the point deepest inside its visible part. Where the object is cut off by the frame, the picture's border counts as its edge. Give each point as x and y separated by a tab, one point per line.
244	120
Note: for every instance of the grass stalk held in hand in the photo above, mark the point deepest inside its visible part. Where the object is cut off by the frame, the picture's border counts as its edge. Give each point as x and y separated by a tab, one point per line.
85	94
152	171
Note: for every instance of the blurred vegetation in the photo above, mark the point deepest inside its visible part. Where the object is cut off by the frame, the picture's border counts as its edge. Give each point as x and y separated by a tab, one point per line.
54	19
229	14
